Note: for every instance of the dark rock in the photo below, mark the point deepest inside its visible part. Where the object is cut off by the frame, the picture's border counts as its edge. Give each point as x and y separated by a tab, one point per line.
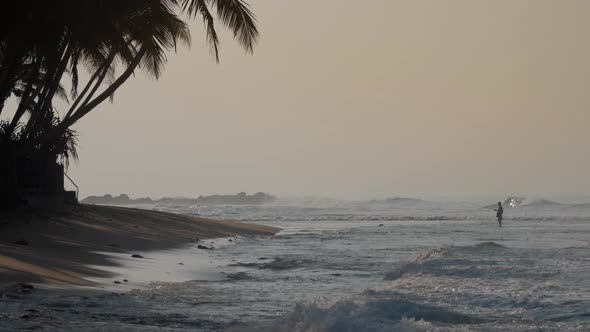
23	288
14	291
380	225
180	263
22	242
117	282
204	248
336	274
122	199
238	199
125	280
136	256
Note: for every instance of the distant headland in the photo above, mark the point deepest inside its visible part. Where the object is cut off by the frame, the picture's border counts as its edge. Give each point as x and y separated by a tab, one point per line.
237	199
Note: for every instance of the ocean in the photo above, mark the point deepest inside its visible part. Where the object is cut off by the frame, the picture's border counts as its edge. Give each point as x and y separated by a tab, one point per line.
397	264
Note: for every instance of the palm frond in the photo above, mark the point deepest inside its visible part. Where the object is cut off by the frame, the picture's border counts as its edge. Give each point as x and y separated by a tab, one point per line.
238	17
74	73
195	7
234	14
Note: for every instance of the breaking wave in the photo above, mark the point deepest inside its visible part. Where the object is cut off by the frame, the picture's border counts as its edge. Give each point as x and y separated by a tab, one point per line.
276	264
374	314
437	261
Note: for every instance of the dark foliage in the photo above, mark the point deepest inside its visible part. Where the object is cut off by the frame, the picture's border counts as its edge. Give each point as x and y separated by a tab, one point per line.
45	44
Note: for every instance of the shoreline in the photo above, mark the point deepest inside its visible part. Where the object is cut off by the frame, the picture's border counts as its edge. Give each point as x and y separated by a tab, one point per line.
73	246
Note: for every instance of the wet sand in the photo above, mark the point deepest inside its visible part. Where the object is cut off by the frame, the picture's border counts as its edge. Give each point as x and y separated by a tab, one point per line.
69	247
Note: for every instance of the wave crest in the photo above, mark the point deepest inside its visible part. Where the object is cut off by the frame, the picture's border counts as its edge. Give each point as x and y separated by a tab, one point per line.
276	264
386	314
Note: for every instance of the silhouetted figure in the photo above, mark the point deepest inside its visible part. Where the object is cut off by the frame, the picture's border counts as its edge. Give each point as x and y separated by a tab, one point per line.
499	213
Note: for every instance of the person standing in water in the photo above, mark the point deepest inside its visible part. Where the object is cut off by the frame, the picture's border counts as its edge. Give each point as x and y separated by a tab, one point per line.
499	213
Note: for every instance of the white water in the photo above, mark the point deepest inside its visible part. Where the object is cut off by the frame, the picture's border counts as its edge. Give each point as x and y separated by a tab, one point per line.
391	265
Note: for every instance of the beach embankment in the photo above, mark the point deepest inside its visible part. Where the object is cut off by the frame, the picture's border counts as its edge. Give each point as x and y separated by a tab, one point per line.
68	246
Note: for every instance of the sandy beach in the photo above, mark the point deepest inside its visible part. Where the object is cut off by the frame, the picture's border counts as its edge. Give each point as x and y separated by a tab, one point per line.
68	247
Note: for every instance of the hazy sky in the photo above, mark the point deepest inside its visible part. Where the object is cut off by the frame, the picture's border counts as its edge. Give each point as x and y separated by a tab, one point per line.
376	98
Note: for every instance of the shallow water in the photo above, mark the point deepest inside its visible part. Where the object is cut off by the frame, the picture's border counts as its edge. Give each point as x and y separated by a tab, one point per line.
395	265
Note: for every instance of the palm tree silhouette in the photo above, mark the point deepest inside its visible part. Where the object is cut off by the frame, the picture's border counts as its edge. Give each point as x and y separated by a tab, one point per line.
44	42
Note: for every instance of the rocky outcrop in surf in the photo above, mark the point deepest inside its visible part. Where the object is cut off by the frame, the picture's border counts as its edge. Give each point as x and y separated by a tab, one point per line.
238	199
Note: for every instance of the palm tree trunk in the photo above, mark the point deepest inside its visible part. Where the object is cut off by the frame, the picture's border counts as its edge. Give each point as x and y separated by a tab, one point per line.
45	99
56	79
103	74
49	75
82	111
27	97
5	87
99	74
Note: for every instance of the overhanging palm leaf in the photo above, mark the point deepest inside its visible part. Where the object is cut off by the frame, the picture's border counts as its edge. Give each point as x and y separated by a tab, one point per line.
235	14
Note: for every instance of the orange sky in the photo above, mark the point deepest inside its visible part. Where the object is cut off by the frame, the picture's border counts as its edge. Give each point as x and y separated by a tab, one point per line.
453	98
